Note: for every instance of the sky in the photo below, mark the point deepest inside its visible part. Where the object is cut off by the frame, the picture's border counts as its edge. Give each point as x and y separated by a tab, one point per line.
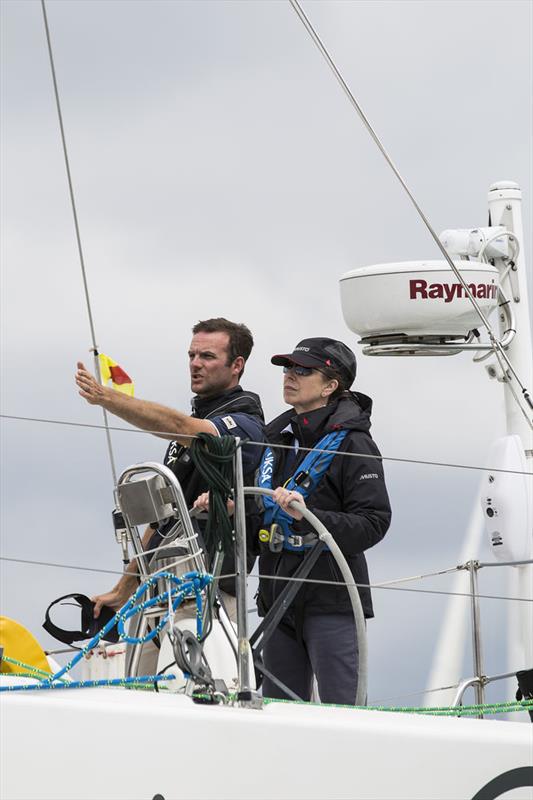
219	170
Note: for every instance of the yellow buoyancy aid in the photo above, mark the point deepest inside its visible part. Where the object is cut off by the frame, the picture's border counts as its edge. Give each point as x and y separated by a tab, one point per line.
18	643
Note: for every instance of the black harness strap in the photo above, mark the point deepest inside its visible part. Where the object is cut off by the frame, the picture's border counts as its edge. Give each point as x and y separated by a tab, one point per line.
260	667
282	602
89	625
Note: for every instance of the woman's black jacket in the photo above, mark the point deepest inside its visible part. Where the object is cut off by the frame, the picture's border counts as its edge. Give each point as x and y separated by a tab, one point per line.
351	500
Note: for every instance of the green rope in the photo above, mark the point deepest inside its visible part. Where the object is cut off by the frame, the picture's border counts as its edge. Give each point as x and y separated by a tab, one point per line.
143	687
41	673
452	711
19	675
31	669
213	458
441	711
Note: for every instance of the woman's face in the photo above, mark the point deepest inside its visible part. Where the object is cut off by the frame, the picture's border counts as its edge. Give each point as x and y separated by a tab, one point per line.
306	391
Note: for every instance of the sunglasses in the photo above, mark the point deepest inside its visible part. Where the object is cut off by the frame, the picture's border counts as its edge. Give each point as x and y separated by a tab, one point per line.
301	371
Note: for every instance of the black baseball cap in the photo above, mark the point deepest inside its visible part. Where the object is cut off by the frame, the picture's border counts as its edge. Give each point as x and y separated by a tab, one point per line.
319	353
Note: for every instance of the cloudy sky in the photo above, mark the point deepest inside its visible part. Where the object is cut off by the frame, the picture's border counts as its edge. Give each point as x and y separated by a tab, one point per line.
219	170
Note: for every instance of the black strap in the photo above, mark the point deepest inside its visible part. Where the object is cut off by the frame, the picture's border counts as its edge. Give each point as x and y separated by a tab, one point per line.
278	609
525	687
89	625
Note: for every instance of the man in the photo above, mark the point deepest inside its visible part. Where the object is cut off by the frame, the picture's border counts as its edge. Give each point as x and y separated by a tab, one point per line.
217	356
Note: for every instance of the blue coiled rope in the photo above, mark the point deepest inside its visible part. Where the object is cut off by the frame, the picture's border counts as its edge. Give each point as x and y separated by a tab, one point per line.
192	583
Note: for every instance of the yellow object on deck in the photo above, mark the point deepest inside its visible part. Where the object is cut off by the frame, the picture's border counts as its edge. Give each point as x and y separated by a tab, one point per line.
20	644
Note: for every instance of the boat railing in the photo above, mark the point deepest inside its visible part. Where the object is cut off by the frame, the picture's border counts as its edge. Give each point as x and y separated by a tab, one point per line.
478	682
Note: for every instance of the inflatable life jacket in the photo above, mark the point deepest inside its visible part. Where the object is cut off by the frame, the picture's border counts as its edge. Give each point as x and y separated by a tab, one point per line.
18	643
277	531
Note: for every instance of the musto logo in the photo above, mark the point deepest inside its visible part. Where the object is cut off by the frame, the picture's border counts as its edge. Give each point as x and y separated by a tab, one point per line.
422	290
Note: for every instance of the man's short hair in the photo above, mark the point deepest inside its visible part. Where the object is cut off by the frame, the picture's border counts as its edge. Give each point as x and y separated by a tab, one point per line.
240	337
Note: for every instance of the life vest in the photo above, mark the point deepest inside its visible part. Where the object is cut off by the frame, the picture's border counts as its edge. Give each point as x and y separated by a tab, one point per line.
277	523
18	643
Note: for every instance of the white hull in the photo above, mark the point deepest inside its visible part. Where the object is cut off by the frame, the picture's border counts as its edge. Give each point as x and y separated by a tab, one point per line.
116	744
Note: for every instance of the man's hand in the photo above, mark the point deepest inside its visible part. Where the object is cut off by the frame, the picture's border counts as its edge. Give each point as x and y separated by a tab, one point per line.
116	598
283	497
90	389
202	503
144	414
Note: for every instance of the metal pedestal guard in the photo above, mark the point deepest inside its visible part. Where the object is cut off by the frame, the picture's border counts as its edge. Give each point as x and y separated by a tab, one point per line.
151	501
247	695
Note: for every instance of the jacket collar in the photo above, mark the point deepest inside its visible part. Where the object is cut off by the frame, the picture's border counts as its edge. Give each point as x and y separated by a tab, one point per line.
351	411
235	399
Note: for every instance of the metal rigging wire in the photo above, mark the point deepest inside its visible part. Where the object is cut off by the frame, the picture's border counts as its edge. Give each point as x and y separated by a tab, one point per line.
250	443
390	587
78	236
496	346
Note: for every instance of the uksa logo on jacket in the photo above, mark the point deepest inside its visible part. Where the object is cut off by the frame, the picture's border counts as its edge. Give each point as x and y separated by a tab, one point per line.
266	469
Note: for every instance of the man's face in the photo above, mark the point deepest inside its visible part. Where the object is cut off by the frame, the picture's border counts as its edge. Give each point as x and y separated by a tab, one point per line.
208	364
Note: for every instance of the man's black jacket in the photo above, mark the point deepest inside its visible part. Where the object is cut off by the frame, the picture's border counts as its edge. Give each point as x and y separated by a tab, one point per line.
177	458
351	501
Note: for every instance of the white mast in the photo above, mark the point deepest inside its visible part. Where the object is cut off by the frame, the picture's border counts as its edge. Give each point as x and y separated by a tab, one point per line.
511	495
505	207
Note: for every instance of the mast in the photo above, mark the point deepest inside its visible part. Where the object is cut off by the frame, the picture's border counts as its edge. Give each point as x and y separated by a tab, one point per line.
505	208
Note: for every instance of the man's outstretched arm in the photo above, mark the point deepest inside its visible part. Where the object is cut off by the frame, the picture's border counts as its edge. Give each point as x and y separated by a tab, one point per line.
160	420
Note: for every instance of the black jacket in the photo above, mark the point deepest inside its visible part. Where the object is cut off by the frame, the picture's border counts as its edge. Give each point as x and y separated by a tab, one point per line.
178	459
232	401
351	501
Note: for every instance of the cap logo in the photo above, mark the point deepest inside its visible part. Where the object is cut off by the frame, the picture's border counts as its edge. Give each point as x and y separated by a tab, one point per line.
328	362
305	349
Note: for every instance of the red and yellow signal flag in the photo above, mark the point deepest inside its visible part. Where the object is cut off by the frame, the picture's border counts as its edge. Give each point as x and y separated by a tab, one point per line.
111	371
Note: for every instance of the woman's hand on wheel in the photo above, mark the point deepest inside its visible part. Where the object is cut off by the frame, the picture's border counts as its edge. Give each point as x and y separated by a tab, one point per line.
283	497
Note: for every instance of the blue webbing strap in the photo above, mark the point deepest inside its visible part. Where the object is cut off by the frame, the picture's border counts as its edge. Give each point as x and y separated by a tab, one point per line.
304	480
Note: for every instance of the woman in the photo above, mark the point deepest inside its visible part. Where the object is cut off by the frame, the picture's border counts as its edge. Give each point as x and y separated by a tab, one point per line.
316	637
